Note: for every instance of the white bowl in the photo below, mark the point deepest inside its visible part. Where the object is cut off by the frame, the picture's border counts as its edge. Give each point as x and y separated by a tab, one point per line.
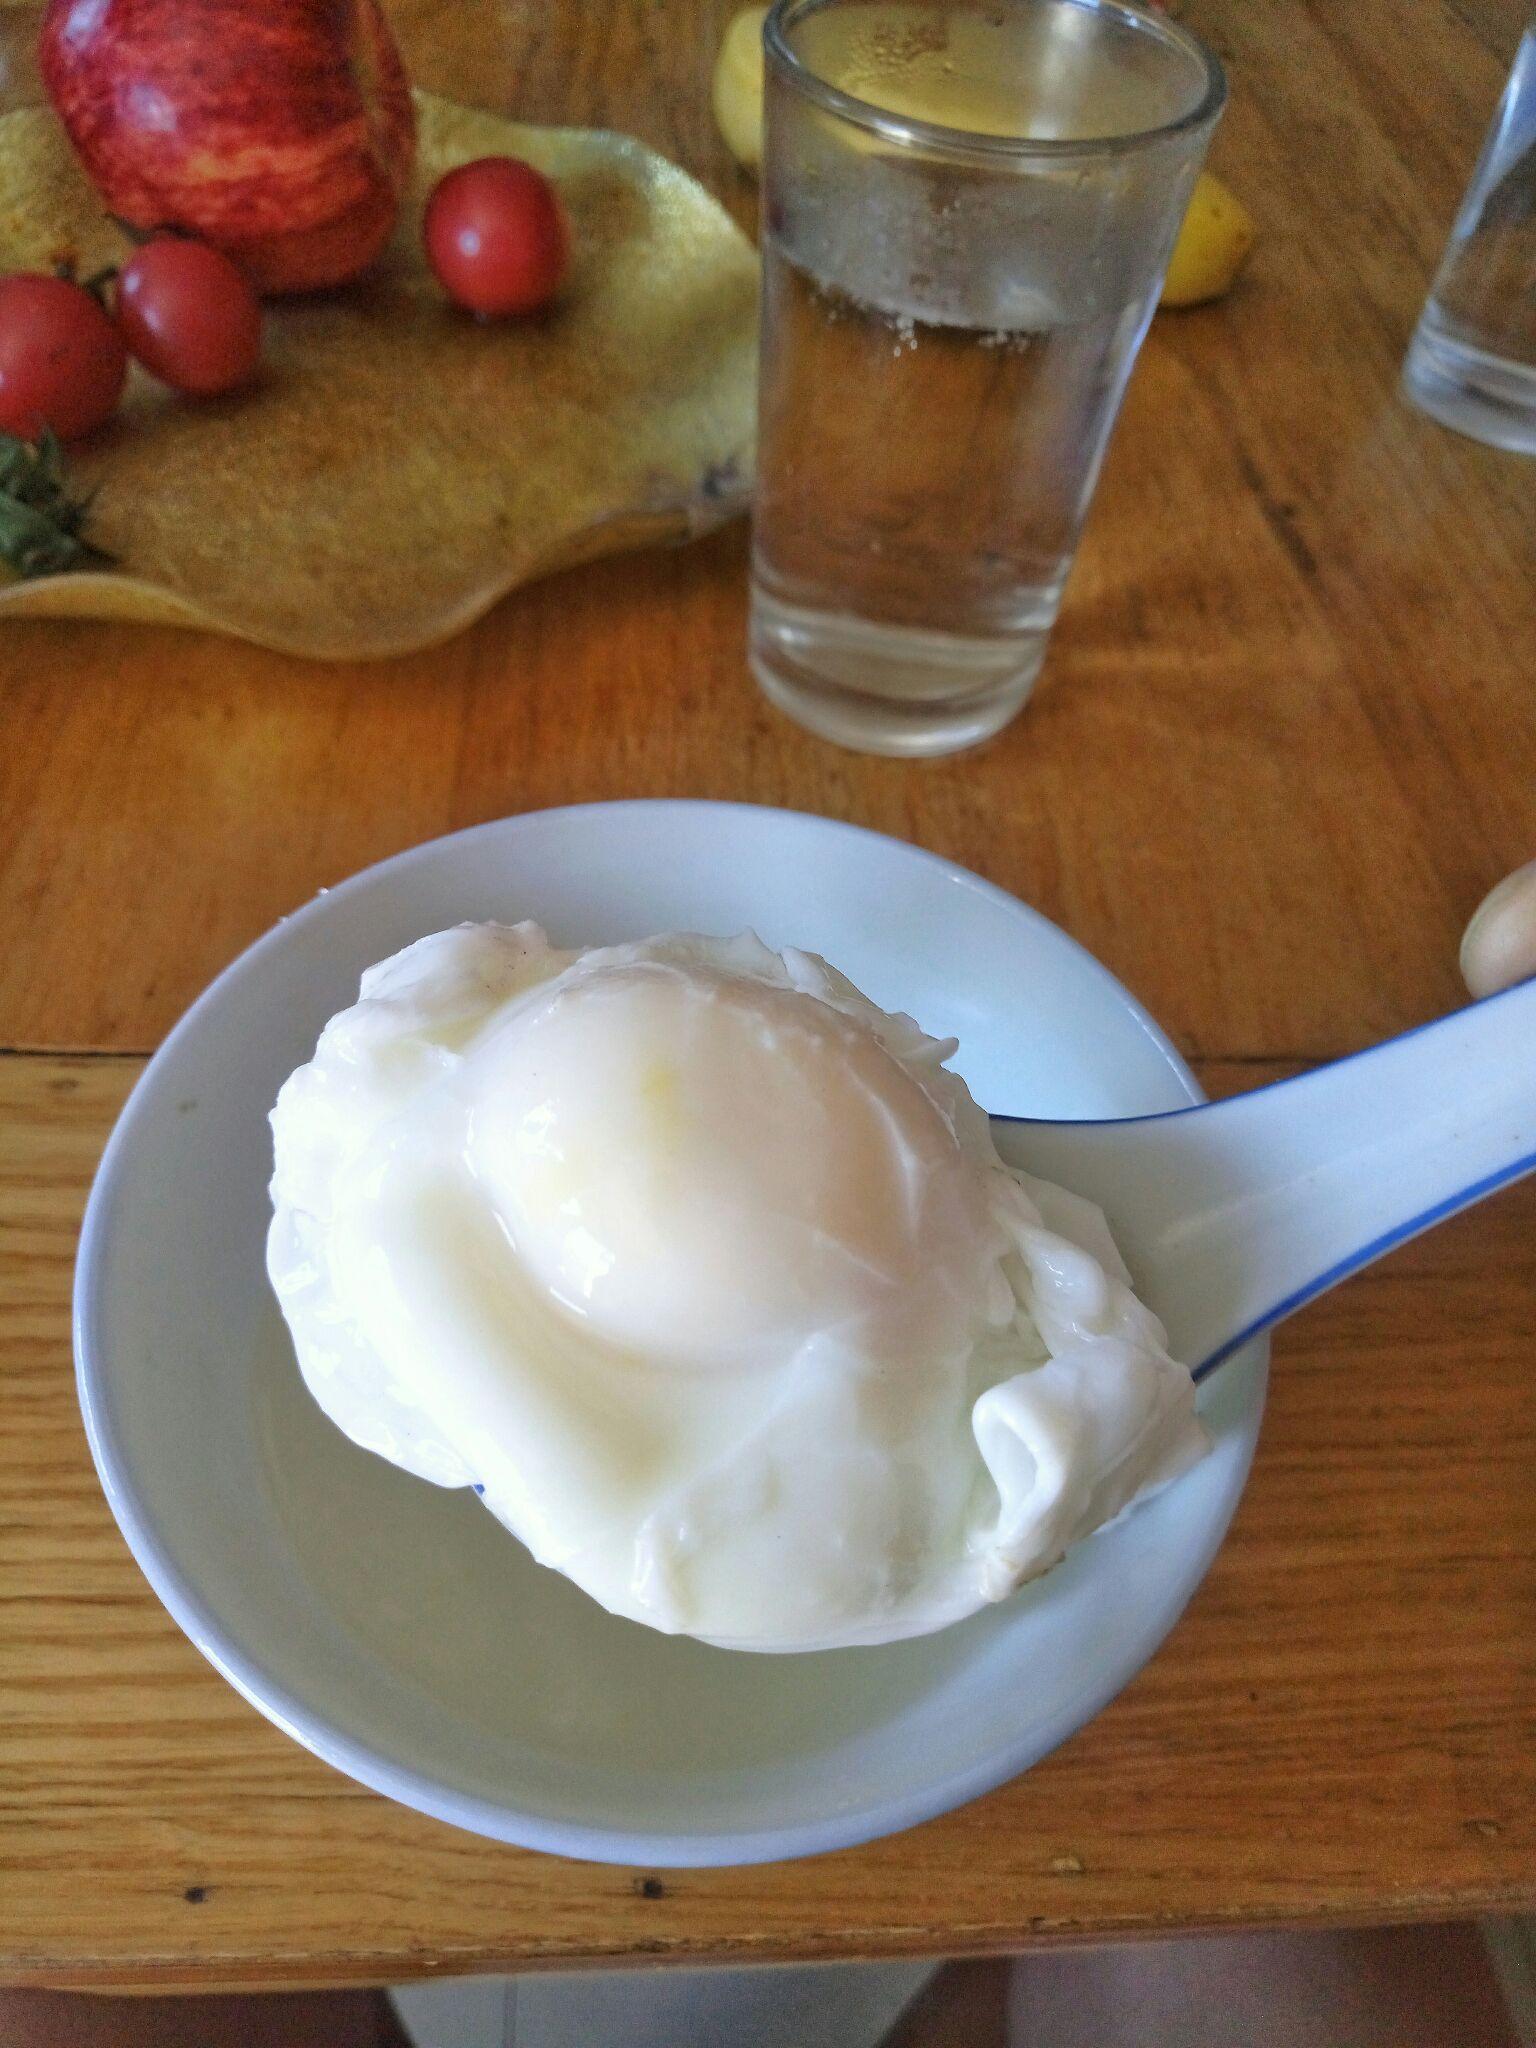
396	1629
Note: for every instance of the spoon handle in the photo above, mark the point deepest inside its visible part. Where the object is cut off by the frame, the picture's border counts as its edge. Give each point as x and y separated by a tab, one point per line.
1234	1214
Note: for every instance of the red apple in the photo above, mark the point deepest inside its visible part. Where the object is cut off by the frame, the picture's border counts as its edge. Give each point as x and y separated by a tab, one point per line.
281	131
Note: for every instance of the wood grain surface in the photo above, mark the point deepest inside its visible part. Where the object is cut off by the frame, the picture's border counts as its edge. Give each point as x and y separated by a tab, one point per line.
1283	744
1340	1727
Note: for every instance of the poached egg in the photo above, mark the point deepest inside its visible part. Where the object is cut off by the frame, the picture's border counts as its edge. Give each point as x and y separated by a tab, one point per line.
704	1271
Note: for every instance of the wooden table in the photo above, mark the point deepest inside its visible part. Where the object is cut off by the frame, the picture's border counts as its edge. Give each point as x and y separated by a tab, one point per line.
1284	743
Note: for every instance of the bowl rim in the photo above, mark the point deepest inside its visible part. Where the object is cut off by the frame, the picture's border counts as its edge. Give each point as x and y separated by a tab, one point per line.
502	1820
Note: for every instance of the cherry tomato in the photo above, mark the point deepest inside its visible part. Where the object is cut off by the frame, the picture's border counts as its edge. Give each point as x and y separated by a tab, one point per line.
189	315
496	236
62	362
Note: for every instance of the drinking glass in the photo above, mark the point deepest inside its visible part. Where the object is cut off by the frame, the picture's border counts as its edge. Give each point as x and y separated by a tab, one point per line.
968	207
1472	362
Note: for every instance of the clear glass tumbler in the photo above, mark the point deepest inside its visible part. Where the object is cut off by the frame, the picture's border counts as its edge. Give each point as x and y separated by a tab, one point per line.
1472	362
968	207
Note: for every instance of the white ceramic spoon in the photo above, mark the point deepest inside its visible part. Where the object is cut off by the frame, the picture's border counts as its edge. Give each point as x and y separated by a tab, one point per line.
1232	1215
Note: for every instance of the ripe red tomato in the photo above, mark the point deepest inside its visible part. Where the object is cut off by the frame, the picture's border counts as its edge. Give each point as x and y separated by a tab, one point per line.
62	362
189	315
496	236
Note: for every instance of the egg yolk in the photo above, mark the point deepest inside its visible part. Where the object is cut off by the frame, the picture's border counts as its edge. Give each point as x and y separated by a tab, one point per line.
710	1171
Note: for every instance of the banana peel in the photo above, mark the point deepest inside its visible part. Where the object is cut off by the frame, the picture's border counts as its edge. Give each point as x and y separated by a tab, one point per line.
1213	245
737	87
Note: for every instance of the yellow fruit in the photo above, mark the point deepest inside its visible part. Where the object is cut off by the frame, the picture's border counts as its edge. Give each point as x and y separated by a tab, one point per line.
1213	245
738	87
964	92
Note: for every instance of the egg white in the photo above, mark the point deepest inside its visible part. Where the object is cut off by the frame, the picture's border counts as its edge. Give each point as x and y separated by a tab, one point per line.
706	1272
